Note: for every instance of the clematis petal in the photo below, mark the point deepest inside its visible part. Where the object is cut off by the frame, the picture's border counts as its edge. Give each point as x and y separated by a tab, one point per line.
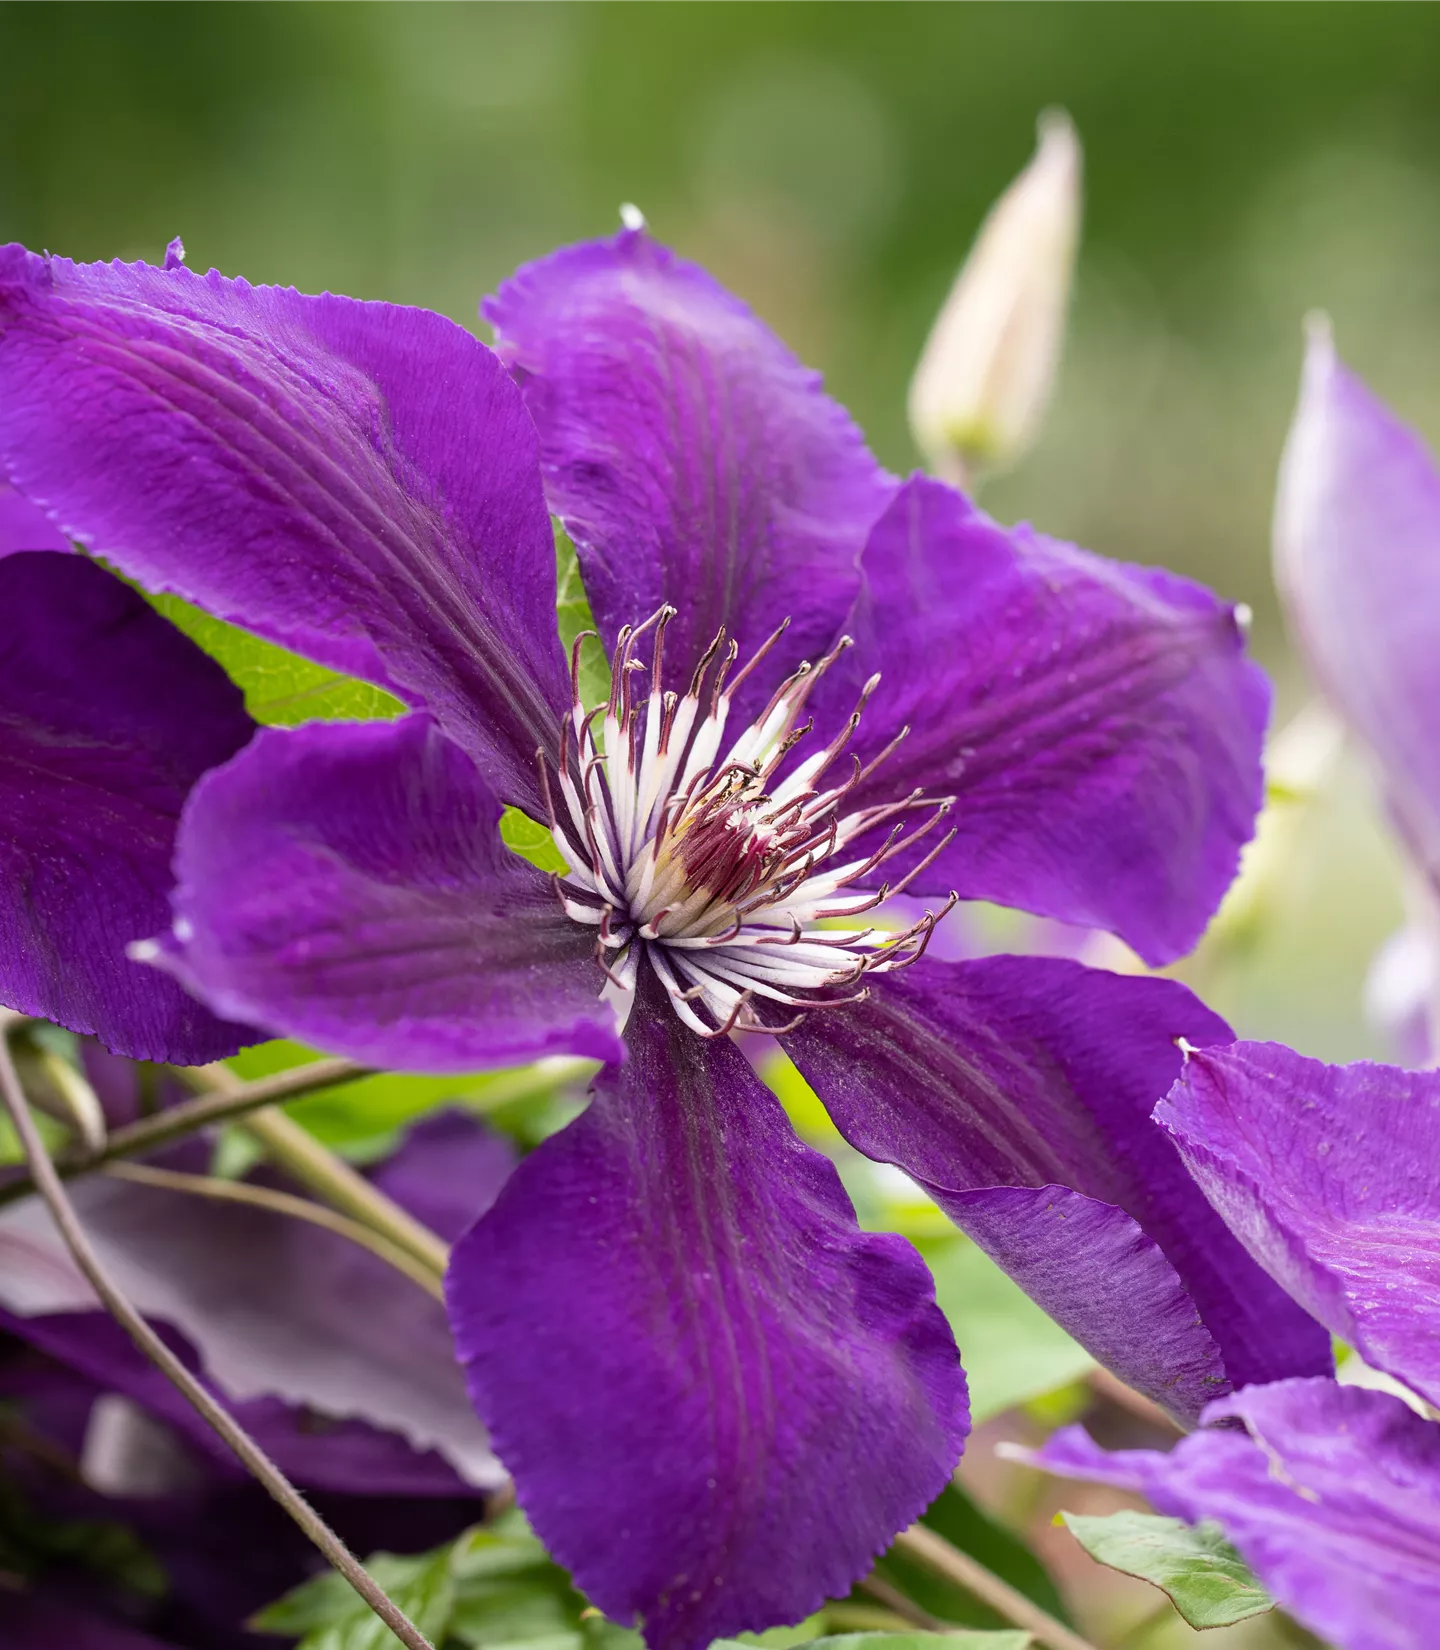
1097	724
347	885
1018	1091
357	482
1332	1496
325	1452
447	1171
23	526
718	1398
689	454
1330	1177
279	1313
1357	560
108	716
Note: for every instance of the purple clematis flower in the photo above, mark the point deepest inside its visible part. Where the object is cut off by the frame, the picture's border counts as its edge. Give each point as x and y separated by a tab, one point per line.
1330	1176
718	1397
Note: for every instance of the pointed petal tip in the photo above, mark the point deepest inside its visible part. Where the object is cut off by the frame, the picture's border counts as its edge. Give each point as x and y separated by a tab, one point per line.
1057	142
1319	332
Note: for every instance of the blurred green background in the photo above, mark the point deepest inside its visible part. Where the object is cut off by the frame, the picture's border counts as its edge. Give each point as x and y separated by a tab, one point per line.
831	162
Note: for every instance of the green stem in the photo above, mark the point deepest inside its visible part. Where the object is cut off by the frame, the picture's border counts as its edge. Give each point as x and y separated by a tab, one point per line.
937	1555
225	1103
333	1181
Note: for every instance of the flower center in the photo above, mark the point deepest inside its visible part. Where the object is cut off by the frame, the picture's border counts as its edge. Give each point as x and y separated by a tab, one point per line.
737	883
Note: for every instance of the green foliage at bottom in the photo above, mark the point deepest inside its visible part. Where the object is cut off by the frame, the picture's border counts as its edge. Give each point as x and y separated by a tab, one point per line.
493	1586
496	1588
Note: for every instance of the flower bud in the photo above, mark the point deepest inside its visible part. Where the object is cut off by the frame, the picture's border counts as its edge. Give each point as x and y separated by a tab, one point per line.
986	373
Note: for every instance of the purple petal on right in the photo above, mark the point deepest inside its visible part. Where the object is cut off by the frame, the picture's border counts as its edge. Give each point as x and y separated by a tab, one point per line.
690	455
358	482
1330	1177
1098	725
108	716
719	1399
1333	1499
346	885
23	526
1357	559
1018	1092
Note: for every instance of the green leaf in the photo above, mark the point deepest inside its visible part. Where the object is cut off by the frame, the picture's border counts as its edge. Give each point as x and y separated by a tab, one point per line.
955	1516
528	838
1207	1580
280	687
572	611
330	1615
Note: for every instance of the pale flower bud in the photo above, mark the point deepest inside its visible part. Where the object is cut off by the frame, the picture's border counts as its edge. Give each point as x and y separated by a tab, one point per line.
985	377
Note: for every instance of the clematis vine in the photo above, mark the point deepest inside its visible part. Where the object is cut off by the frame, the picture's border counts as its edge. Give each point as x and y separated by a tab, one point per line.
718	1398
1330	1176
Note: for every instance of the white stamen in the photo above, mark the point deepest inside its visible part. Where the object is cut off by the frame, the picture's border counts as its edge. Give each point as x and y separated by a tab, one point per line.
701	865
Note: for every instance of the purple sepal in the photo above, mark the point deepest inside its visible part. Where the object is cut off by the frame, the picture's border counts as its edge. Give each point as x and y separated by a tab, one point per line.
1331	1495
689	454
344	1456
1018	1092
448	1169
1357	560
355	481
25	527
718	1398
345	884
1098	725
108	716
1330	1177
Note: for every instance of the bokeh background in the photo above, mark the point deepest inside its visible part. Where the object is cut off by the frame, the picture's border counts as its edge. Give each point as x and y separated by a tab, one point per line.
831	162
